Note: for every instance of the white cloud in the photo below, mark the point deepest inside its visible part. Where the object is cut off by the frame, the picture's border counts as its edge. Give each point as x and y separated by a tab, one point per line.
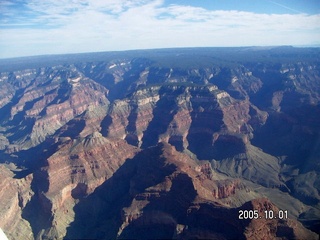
97	25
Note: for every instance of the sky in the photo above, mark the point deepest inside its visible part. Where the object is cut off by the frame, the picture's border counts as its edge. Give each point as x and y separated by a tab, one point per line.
39	27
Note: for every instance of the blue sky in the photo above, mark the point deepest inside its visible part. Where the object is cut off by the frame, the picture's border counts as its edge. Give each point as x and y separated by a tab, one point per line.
257	6
35	27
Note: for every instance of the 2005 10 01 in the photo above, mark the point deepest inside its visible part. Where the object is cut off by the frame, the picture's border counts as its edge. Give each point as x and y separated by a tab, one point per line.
268	214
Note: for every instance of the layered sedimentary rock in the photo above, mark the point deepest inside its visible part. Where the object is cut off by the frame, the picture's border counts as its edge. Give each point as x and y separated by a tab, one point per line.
158	187
166	194
190	111
47	102
169	144
14	195
72	173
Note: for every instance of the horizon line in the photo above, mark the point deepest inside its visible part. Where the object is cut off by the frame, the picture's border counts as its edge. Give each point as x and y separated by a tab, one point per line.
151	49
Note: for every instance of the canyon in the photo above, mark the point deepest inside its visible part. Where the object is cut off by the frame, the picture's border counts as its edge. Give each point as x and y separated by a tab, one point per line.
161	144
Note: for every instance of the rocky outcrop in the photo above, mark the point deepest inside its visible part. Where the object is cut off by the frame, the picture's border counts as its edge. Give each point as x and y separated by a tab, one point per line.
159	186
195	115
56	115
166	190
265	228
50	100
73	172
14	195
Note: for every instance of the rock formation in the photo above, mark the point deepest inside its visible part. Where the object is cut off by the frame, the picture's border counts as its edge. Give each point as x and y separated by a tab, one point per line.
152	145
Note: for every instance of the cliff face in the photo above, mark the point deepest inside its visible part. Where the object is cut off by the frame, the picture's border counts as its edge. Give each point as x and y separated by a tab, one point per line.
14	195
165	194
139	145
72	173
42	101
184	116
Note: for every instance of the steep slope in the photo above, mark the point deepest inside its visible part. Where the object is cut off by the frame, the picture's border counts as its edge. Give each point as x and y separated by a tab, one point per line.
42	101
71	173
14	195
166	194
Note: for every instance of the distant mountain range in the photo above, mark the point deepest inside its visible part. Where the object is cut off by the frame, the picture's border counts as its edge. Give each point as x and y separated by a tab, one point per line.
190	143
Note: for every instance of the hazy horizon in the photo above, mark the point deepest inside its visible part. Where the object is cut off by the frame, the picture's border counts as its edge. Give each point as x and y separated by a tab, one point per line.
33	28
151	49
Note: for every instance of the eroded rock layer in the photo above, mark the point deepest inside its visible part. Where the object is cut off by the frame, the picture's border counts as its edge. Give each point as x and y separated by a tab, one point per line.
165	144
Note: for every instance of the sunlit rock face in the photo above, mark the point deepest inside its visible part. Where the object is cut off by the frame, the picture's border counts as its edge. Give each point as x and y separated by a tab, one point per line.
161	144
